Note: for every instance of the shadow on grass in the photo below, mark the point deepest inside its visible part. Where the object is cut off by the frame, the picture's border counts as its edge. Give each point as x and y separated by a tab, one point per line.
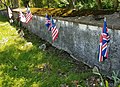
3	18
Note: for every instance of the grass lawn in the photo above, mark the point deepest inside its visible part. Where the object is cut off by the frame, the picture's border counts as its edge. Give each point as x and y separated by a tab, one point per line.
23	64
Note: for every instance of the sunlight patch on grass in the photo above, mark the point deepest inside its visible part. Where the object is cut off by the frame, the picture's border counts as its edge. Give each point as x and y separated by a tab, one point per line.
39	56
4	24
7	35
26	47
13	82
19	82
35	84
3	66
10	36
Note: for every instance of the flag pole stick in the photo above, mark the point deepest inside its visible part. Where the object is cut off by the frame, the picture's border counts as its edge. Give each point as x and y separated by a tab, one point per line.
51	27
18	19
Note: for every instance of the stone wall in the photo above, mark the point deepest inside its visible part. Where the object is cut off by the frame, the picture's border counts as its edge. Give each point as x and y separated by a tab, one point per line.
81	41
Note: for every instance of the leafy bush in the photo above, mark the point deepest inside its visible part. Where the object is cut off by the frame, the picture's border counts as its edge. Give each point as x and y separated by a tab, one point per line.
107	4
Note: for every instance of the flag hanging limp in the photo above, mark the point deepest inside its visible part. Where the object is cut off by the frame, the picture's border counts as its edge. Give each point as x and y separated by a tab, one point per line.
103	46
28	15
48	22
22	17
55	31
9	12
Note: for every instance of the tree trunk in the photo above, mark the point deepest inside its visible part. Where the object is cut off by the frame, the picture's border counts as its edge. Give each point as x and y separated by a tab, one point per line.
99	4
48	3
16	3
70	5
4	3
115	4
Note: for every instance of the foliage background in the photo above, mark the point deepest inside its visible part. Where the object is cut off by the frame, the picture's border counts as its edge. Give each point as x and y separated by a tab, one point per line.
76	4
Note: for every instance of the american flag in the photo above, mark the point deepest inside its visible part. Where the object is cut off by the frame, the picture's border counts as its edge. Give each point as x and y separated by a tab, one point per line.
103	46
48	22
28	15
54	31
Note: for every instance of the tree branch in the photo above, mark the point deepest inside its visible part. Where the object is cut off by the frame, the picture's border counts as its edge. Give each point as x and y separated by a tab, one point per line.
3	3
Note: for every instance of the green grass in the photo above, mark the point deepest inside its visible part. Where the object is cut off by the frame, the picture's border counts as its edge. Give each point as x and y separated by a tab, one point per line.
25	65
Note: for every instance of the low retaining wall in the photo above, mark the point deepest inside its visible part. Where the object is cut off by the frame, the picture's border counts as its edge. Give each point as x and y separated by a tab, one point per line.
81	41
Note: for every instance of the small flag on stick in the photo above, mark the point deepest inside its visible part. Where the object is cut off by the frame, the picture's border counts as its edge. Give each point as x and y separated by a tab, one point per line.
22	17
54	31
9	12
28	15
103	46
48	22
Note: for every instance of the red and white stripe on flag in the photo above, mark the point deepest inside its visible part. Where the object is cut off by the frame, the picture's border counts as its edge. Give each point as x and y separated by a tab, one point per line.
54	33
100	50
28	15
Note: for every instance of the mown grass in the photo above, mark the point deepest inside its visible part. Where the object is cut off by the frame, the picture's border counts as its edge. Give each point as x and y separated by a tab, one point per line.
23	64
